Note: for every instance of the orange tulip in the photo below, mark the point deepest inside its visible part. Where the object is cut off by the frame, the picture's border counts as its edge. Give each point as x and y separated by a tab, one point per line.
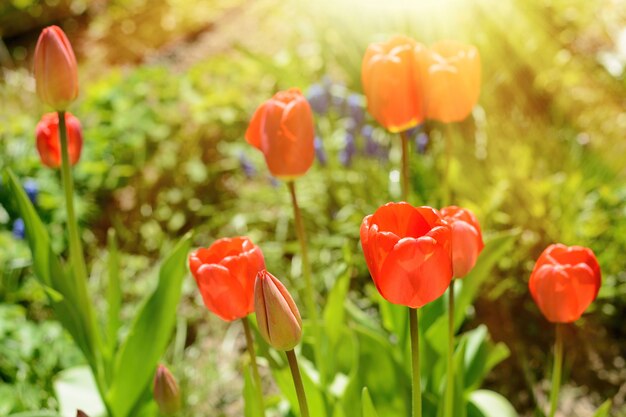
56	74
283	129
49	143
564	282
278	317
407	250
453	81
392	78
225	274
467	240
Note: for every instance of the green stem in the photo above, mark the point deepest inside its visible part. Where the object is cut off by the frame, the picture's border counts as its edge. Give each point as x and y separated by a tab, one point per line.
255	368
415	362
297	381
76	251
405	166
556	371
309	298
447	190
449	404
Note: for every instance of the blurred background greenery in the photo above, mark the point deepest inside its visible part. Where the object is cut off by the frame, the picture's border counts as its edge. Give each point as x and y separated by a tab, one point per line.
167	89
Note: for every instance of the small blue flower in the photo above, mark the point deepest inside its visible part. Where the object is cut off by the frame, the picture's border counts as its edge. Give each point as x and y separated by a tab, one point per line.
319	98
274	181
320	152
246	165
19	231
421	141
413	131
32	190
350	126
347	153
355	108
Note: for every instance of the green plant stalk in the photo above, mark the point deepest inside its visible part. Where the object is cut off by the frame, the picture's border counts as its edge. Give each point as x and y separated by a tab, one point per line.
297	381
77	262
447	190
309	298
449	404
255	368
556	371
405	166
415	363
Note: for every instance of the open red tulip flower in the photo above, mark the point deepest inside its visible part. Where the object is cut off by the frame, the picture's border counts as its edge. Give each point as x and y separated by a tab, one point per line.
55	70
564	282
225	273
392	78
467	240
407	250
453	81
283	129
49	144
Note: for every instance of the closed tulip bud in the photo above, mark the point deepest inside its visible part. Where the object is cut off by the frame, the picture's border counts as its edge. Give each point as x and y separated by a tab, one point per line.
166	391
81	413
49	143
564	282
392	74
56	74
283	129
407	250
467	240
453	81
276	313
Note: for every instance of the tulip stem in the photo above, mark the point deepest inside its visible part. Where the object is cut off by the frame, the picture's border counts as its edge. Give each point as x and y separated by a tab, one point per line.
297	381
76	252
405	165
556	371
253	364
309	298
449	404
447	189
415	362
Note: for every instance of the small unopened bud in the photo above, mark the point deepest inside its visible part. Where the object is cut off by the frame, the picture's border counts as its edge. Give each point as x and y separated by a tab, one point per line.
276	312
166	392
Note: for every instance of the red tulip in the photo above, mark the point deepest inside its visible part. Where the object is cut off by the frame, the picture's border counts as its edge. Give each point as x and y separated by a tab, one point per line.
225	274
467	240
165	391
278	317
392	78
453	81
55	69
564	282
282	128
49	143
407	250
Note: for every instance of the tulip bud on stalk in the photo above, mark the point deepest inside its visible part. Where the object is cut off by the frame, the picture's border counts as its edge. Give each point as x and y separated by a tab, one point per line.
280	325
55	69
166	391
49	144
563	283
466	245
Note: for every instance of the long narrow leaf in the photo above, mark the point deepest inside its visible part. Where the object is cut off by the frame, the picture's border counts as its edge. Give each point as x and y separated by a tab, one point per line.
149	334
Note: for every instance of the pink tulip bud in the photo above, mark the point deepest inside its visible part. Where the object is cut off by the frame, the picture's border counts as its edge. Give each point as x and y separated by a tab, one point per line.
55	69
166	391
276	312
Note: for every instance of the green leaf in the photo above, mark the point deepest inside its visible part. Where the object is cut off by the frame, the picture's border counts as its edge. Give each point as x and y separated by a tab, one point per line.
67	295
40	413
250	394
149	334
114	292
604	409
481	356
334	312
485	403
75	388
367	404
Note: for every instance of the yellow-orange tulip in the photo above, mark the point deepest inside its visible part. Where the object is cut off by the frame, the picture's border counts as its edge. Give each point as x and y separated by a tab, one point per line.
392	78
55	69
453	79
